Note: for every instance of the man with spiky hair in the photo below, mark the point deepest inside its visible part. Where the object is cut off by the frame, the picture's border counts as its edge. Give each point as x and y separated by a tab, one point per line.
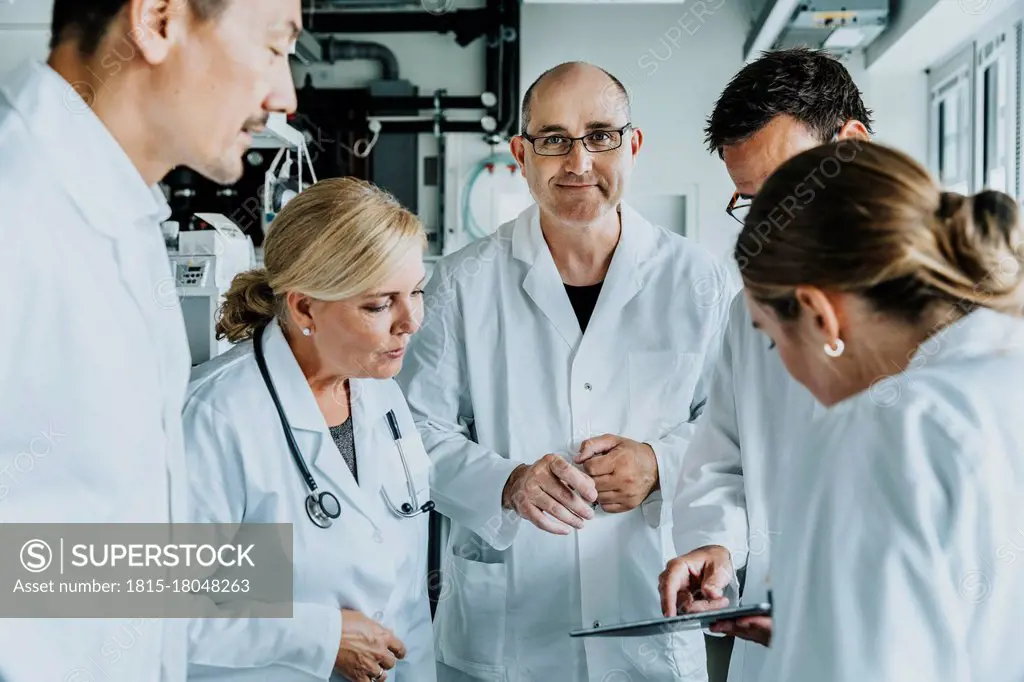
784	103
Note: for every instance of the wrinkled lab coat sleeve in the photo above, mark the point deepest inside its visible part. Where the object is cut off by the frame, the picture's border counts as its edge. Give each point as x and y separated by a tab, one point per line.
309	640
466	478
869	582
672	449
709	507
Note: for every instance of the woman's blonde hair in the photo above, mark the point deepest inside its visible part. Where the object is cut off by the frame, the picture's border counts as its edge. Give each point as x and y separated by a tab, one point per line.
339	238
863	218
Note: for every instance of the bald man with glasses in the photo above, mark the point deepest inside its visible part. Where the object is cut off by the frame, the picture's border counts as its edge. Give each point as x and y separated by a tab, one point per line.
555	383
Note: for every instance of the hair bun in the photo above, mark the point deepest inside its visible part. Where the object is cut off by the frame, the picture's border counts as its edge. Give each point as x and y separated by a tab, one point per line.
950	203
999	208
249	303
983	242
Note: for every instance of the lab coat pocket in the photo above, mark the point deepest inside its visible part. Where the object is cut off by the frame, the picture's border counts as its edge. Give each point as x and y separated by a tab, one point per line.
661	386
471	629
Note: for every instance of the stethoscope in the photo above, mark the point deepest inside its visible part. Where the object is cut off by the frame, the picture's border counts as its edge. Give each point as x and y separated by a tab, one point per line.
322	506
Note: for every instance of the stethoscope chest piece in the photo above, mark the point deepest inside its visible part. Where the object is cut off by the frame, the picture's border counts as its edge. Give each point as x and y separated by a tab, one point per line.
322	508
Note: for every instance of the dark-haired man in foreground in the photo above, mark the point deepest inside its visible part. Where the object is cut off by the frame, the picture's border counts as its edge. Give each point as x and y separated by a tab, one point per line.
93	352
776	107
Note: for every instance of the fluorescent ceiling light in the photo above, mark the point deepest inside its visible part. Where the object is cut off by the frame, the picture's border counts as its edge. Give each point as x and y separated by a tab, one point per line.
846	37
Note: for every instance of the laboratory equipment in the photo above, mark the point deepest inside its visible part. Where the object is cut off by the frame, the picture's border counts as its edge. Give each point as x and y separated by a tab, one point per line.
204	265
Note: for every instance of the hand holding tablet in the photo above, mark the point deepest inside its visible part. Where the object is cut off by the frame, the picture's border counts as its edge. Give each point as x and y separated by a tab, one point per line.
688	621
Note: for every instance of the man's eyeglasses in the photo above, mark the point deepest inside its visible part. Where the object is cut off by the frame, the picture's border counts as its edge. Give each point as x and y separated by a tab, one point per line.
560	145
739	207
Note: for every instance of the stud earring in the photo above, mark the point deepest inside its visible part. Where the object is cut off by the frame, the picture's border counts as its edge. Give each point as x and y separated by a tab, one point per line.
306	331
837	350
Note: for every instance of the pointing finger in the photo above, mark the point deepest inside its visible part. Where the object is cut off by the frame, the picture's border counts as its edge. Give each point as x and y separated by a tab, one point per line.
716	580
676	580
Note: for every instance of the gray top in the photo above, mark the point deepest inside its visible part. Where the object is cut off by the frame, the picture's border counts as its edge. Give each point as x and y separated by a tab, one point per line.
345	439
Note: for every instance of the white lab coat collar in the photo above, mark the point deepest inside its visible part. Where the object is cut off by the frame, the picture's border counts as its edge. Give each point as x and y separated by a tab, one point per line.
81	151
544	284
297	398
369	426
637	240
980	333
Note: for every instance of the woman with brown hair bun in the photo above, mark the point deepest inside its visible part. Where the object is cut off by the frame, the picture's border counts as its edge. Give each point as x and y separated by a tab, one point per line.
897	305
300	423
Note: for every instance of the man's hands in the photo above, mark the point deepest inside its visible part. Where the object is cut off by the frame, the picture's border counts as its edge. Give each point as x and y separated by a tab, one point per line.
551	494
755	628
624	471
696	581
555	496
368	649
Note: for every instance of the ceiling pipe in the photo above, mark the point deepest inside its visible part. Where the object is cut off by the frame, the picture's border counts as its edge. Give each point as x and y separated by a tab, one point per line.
466	24
340	50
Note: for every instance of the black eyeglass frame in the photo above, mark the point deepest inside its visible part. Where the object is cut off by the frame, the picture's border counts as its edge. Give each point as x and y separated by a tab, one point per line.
532	139
736	196
733	205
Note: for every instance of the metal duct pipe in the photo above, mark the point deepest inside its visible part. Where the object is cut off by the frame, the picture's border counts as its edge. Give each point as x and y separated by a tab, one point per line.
466	24
338	50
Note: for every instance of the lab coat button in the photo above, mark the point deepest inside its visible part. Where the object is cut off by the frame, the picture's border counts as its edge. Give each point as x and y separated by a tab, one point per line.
379	616
587	386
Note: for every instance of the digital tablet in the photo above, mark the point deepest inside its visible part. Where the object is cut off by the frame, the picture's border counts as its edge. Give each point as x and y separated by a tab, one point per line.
687	621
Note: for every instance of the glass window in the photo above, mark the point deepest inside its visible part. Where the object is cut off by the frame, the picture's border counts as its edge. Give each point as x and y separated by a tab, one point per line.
952	134
975	99
994	117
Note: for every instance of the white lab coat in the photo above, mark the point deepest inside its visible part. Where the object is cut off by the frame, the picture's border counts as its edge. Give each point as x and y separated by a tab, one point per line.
735	471
93	362
898	560
370	560
500	375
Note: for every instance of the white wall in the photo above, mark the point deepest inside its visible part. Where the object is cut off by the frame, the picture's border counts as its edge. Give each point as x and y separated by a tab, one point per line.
899	104
675	60
24	31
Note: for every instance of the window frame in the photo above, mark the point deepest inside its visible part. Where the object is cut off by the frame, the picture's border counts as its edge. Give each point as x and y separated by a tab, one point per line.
965	67
991	45
955	72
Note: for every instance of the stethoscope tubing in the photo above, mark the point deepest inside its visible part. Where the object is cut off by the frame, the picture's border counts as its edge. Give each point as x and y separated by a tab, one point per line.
315	507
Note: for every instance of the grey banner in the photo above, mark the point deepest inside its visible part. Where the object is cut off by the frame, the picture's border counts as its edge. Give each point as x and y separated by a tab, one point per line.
85	570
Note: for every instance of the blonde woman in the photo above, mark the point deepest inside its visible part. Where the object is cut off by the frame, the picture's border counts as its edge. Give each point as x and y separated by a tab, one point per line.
300	423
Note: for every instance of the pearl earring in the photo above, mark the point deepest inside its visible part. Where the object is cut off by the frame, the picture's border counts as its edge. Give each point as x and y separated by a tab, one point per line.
306	331
835	352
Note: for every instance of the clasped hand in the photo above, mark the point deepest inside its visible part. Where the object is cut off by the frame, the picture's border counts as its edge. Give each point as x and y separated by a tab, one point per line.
612	472
367	650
